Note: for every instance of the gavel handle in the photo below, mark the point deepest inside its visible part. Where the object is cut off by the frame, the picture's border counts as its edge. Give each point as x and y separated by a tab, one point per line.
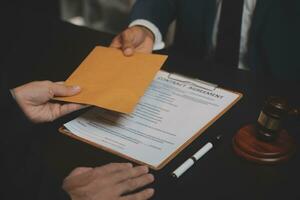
295	112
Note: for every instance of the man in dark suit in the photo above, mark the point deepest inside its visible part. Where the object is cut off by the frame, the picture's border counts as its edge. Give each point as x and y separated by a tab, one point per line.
26	34
30	103
268	36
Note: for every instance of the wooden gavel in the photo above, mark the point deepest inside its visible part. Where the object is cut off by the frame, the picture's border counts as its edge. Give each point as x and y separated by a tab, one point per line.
266	142
269	122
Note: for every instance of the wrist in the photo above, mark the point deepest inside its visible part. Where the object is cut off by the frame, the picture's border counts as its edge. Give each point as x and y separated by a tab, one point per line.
157	36
19	100
147	31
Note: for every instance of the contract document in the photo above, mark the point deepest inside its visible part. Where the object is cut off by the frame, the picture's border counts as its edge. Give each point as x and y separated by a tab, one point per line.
173	112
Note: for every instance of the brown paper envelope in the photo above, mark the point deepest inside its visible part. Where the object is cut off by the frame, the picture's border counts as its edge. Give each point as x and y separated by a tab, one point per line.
112	81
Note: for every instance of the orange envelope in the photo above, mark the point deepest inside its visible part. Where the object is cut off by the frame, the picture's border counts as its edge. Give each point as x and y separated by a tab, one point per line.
112	81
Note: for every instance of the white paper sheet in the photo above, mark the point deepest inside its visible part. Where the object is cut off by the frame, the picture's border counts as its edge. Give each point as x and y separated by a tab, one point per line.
170	113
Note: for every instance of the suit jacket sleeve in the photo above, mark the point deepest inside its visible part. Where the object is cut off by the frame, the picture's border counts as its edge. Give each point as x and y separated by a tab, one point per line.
159	12
281	41
21	179
13	119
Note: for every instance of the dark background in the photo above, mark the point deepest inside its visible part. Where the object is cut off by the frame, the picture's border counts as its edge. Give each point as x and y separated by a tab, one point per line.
46	48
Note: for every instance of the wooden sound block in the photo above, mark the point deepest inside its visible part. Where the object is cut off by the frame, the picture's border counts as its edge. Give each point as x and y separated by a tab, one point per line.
246	145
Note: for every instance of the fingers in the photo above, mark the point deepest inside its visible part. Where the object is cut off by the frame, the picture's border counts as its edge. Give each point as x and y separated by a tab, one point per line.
124	41
133	184
127	38
97	173
60	82
131	173
111	181
58	110
80	170
77	178
143	195
116	43
113	167
60	90
133	39
69	108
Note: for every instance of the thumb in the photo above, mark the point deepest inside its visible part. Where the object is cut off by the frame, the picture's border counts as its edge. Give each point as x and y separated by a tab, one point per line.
128	42
80	170
60	90
77	178
116	42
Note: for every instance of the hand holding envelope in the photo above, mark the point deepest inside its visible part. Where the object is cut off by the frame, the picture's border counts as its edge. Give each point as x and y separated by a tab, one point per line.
112	81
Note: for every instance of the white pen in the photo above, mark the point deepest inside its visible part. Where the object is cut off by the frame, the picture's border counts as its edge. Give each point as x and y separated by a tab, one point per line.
191	161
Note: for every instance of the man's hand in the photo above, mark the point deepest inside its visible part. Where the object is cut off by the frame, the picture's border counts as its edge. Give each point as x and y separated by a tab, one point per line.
134	39
33	98
110	182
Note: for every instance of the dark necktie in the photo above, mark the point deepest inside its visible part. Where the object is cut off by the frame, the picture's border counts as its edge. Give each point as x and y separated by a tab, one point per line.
229	33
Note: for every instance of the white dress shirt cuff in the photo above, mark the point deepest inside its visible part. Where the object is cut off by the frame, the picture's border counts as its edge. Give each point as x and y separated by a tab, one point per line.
158	42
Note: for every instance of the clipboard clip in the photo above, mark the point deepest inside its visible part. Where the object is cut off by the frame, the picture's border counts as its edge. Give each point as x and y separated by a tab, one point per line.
192	81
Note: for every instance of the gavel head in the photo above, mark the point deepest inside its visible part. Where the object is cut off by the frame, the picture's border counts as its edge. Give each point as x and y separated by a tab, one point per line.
269	122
